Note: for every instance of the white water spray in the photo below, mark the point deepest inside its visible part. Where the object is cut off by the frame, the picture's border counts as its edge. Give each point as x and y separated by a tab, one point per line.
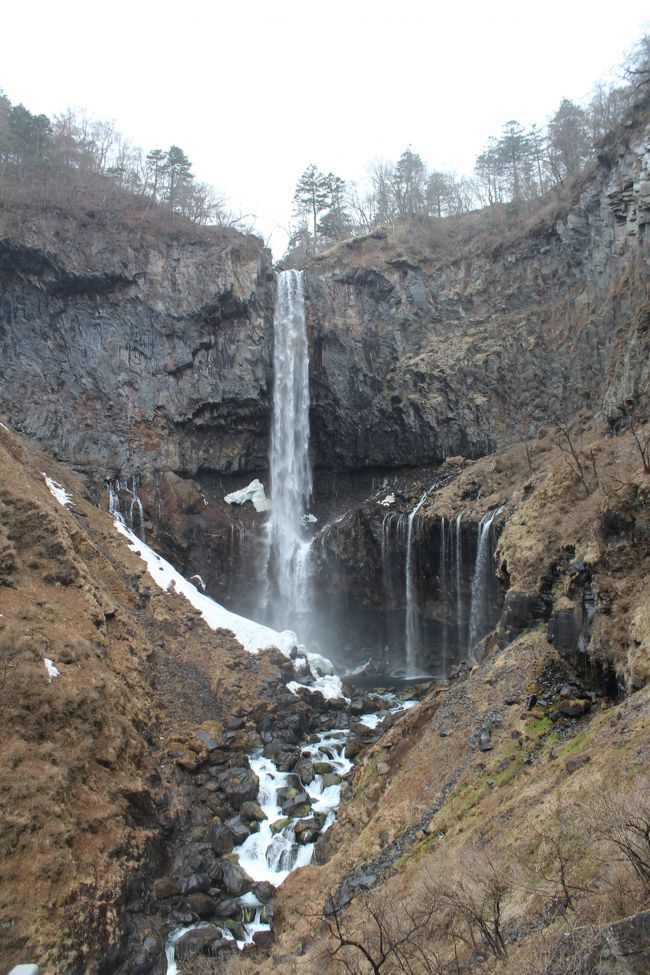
287	557
412	618
480	578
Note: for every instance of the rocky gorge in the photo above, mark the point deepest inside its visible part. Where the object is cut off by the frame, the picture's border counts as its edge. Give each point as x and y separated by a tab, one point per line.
481	513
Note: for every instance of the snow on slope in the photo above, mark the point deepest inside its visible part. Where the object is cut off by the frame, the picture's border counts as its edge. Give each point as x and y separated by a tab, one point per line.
252	636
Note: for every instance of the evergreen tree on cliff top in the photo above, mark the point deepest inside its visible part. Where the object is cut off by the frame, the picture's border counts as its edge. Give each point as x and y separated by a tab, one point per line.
311	197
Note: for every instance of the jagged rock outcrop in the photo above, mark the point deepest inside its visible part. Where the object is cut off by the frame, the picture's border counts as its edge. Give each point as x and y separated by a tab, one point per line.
129	351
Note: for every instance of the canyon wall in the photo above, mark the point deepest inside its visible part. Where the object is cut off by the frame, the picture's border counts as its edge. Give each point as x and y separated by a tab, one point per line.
429	347
126	351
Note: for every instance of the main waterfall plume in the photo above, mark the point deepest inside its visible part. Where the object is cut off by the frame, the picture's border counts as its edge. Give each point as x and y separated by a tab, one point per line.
287	552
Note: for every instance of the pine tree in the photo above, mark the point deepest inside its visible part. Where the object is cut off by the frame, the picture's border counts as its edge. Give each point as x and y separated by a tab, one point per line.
178	176
311	198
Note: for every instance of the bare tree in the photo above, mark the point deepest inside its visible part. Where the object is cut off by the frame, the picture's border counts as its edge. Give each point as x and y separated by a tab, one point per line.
474	895
561	851
621	816
573	456
402	939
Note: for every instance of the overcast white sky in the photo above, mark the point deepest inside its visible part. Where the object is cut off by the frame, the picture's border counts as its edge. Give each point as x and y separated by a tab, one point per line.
254	91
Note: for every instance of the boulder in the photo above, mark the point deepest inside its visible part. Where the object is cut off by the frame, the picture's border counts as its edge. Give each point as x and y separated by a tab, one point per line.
238	785
166	887
203	940
194	883
201	905
305	769
221	839
252	811
264	891
235	879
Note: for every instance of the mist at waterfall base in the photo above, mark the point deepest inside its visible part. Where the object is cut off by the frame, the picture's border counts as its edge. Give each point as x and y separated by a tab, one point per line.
430	593
427	591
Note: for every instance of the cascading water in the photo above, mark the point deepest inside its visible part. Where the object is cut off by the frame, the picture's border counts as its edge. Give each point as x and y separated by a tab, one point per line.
412	626
458	574
287	562
393	544
133	514
442	581
479	603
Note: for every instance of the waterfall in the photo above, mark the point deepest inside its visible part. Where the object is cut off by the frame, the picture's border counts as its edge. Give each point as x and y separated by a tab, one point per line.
479	604
458	566
442	581
133	515
412	615
287	558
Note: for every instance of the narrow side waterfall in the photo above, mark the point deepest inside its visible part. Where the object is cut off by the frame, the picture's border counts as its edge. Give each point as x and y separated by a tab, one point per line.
124	503
411	575
479	599
458	579
443	585
287	552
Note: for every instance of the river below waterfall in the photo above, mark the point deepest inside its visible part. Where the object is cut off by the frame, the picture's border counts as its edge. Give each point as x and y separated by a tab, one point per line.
286	838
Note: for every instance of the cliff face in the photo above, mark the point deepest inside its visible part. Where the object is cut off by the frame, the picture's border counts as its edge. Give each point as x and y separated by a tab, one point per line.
125	351
424	349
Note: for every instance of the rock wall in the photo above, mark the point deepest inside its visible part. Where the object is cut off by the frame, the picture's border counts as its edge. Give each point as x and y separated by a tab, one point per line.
128	351
423	350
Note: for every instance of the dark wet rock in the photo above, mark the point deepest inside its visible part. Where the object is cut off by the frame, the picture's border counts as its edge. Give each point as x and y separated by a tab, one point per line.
263	940
239	829
203	940
305	769
252	811
236	928
331	778
353	747
267	914
221	839
166	887
239	785
148	950
279	824
227	907
295	806
283	755
235	879
194	883
308	830
210	738
264	891
201	905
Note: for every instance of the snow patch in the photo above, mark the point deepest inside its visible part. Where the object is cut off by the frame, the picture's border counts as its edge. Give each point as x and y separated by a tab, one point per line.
388	500
320	666
252	636
58	491
309	519
330	687
200	581
5	428
254	492
52	671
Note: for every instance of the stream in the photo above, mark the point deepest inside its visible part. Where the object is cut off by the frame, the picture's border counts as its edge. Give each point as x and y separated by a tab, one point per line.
286	839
